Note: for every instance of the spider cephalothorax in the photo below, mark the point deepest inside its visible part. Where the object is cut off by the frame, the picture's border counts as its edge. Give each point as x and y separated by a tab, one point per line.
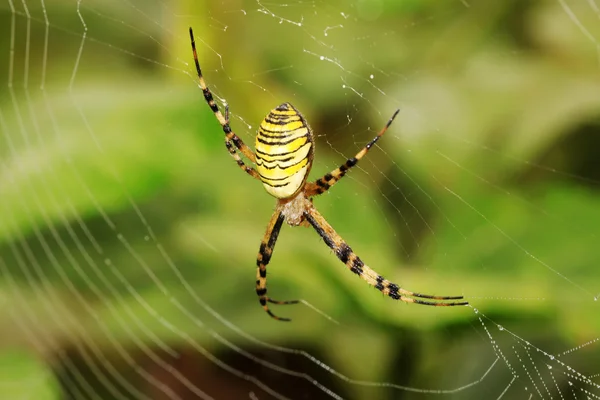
283	159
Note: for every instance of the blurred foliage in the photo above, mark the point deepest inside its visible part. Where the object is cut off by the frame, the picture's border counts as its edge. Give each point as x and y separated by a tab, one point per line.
24	377
480	188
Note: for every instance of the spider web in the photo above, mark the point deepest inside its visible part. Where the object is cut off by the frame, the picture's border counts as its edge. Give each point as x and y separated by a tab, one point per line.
128	235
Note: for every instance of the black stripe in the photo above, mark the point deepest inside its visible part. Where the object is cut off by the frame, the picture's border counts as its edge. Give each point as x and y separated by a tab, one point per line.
281	133
276	179
396	296
275	232
393	291
259	139
322	184
279	166
349	164
328	241
275	135
261	291
276	154
379	281
266	250
279	117
262	254
357	266
208	97
266	161
275	186
343	252
281	122
372	142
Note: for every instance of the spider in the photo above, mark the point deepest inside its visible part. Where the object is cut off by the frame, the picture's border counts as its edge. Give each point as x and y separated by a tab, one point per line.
284	156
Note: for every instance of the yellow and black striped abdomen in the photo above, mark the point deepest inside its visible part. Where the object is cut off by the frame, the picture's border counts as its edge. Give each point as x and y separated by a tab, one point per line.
284	151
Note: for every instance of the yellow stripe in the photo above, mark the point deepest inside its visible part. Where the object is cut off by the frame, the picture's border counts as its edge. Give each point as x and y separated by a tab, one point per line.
281	112
291	126
283	117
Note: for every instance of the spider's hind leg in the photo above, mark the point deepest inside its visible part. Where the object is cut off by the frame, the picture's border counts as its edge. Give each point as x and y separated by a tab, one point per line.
264	256
355	264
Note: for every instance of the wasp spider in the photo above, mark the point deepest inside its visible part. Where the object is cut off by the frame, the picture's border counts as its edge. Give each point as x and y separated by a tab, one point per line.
284	156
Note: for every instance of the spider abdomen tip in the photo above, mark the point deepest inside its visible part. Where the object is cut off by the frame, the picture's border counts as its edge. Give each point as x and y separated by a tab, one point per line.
284	107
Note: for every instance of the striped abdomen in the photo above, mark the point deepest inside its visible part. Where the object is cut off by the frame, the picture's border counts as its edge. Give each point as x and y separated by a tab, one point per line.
284	151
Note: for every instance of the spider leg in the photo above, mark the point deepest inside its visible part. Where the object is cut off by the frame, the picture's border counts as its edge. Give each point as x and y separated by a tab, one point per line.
249	170
323	184
355	264
230	136
264	256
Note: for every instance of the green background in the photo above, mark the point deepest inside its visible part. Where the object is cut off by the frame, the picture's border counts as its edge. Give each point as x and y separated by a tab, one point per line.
128	236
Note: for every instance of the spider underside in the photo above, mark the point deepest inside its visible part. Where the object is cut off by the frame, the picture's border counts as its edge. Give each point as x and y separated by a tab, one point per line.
293	210
283	158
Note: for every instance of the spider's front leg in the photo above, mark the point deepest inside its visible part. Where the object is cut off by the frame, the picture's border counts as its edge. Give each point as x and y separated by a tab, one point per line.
232	141
355	264
323	184
231	149
264	256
